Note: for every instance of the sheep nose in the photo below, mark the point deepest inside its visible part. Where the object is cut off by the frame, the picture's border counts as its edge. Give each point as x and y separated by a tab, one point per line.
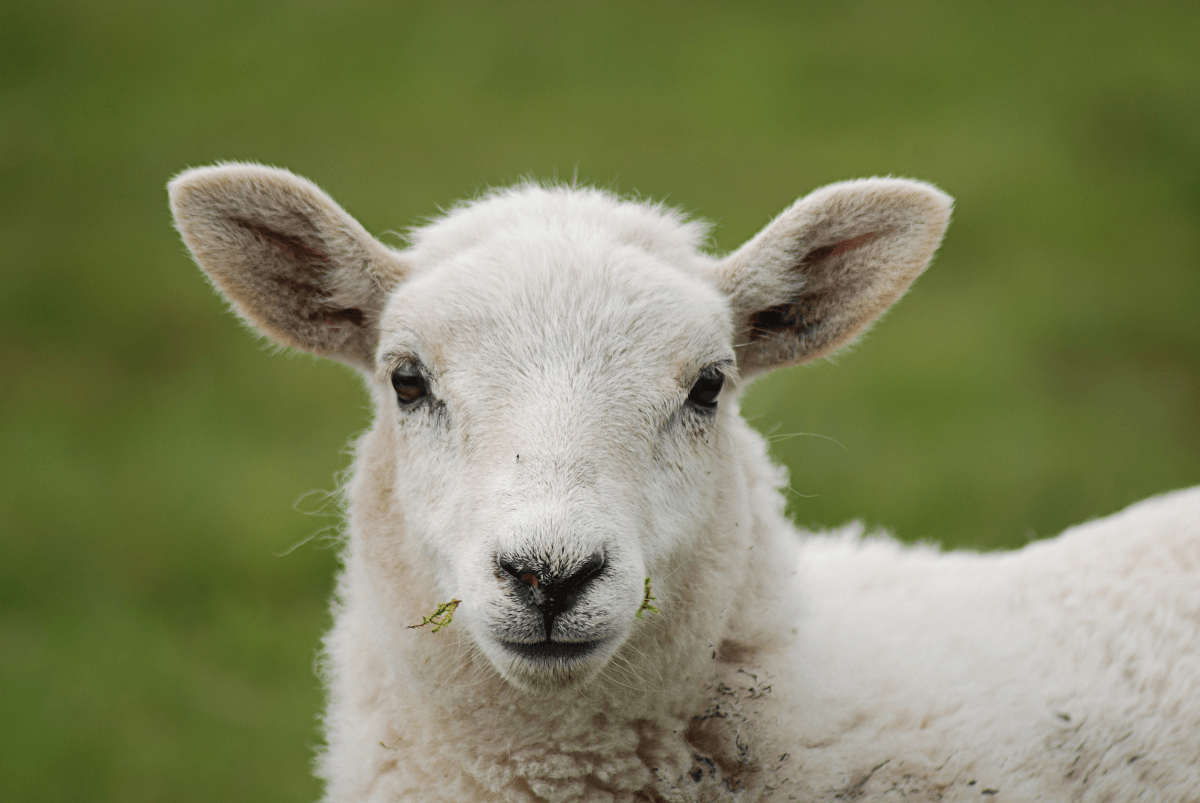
551	591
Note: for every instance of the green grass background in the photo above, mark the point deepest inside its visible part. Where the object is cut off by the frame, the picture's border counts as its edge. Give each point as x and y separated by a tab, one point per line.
154	645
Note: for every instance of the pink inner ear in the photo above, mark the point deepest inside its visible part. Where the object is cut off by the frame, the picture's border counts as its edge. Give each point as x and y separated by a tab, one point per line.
837	249
287	245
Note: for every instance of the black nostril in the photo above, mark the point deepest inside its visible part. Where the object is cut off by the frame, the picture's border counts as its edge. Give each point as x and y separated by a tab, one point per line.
587	571
520	570
550	591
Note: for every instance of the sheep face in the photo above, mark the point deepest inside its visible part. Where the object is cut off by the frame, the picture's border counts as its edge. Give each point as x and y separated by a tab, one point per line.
549	370
556	414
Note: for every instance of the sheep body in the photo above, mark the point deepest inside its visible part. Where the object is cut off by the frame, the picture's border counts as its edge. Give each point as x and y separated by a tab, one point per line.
557	344
1066	670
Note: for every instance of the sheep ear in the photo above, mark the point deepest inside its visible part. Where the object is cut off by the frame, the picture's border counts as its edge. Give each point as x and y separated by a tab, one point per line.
820	273
293	263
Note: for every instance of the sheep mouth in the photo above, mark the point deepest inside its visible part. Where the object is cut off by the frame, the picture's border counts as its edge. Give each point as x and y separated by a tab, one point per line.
554	652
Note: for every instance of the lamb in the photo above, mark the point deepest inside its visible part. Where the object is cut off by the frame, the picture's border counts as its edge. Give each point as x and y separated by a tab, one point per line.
557	482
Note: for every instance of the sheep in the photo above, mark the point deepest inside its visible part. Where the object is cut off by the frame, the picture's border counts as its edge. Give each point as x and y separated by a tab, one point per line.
568	575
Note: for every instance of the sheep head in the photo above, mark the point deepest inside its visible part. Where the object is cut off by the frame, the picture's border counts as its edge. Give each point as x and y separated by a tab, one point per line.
554	372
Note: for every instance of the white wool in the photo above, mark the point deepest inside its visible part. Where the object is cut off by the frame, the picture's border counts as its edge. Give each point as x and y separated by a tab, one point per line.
560	442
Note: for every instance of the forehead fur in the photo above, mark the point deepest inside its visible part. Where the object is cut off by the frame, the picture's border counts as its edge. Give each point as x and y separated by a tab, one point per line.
537	209
558	310
554	274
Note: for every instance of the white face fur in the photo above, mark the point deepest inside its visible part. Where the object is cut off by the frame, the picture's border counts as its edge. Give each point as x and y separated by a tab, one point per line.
552	370
564	415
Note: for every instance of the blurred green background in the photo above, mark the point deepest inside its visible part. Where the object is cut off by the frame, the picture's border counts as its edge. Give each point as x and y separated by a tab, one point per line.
155	641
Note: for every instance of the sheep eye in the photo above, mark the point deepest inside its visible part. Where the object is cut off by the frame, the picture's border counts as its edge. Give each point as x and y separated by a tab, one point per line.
707	388
409	384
